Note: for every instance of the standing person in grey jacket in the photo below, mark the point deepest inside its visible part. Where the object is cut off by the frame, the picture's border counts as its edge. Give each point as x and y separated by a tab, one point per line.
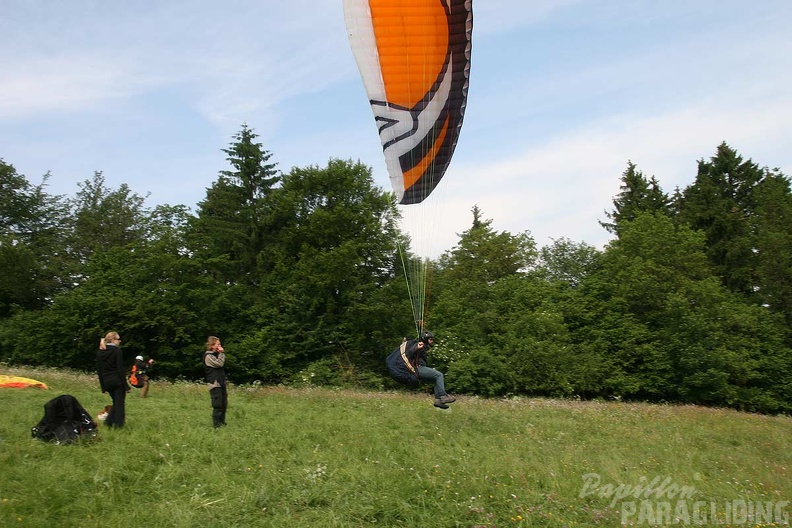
112	377
214	368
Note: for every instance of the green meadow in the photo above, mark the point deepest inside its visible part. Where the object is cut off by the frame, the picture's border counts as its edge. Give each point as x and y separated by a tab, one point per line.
303	457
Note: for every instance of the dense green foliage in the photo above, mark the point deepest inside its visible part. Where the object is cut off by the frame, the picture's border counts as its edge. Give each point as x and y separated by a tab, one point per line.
317	457
299	274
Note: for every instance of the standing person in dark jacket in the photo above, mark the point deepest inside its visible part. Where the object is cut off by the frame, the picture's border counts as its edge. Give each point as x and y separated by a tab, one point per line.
112	377
214	367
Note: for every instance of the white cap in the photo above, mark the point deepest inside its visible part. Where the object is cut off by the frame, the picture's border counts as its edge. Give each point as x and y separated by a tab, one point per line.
140	358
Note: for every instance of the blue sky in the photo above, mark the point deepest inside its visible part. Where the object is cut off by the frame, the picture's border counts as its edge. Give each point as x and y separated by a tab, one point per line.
562	94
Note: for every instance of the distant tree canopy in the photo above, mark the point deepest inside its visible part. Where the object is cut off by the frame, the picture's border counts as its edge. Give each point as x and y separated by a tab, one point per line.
300	275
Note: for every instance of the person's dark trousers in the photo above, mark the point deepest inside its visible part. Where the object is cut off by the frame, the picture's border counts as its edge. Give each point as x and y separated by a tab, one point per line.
219	405
117	415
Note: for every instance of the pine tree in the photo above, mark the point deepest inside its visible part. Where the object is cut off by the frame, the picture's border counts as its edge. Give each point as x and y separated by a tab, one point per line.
485	255
773	229
722	204
638	194
233	218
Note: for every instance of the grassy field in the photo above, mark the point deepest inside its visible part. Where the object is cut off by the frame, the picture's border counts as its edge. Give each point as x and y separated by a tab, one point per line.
320	457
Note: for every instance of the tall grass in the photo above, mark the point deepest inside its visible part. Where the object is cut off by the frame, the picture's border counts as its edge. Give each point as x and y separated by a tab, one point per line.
319	457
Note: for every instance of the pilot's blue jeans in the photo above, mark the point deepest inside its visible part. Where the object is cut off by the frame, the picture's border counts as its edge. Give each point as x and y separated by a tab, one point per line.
433	376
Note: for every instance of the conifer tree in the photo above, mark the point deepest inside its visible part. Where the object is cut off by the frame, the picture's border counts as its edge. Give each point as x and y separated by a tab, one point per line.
233	218
638	194
722	203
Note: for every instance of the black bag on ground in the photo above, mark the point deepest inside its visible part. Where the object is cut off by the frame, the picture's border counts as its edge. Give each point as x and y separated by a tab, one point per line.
64	421
401	368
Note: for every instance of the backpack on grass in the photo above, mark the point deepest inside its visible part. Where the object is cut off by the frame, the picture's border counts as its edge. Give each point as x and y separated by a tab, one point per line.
64	421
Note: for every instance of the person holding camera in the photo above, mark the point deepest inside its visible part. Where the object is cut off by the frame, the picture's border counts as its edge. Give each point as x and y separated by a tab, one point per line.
214	368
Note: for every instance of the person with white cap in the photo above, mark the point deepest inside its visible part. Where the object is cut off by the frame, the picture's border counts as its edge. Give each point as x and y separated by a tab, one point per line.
141	370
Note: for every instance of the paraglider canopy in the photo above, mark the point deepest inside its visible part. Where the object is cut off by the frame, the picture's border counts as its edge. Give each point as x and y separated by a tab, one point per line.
17	382
414	58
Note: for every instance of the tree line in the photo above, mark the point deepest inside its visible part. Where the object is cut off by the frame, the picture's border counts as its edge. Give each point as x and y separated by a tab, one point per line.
300	274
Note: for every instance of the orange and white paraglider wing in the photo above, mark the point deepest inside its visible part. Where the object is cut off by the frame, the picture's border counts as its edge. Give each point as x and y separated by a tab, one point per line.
414	57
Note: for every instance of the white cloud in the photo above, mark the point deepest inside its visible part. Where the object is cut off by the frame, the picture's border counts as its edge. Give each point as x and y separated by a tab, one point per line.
68	82
563	187
231	63
587	86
